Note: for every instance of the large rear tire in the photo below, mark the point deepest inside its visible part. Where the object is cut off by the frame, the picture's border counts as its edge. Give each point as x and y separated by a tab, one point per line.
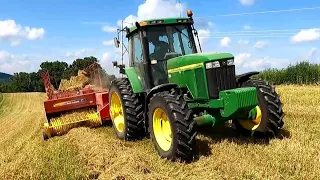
270	121
126	111
171	126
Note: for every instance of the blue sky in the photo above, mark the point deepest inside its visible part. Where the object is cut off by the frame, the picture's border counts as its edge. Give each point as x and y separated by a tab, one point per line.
72	29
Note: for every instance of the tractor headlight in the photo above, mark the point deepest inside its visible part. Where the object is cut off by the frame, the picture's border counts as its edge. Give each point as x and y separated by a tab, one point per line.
214	64
230	62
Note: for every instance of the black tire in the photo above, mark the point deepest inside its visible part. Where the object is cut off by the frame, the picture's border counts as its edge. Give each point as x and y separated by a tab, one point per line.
271	111
132	106
183	127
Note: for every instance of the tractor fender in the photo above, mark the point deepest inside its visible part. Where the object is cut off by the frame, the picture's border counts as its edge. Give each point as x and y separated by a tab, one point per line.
159	88
134	80
153	91
245	77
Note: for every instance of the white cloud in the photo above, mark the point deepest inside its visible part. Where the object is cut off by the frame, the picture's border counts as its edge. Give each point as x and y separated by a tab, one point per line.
241	58
15	33
246	27
16	66
106	56
108	43
243	42
261	44
10	64
306	35
80	53
106	61
265	63
109	29
5	56
34	33
225	42
246	62
247	2
204	35
155	9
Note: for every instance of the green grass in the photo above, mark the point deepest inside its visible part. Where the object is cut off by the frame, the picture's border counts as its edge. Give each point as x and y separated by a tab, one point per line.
86	153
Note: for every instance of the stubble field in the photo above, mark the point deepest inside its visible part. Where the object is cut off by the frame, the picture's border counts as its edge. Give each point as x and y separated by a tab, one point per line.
86	153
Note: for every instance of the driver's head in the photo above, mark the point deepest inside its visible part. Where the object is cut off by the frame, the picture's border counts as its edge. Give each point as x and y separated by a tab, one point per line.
154	39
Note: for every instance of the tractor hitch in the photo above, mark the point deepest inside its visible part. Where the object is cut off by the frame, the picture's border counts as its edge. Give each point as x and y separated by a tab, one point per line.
206	119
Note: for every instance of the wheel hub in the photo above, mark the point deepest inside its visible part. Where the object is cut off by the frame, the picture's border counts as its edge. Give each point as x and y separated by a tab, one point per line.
162	129
252	124
116	112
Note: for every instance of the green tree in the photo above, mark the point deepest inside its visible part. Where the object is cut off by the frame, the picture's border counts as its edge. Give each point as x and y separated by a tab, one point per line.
57	71
81	64
32	82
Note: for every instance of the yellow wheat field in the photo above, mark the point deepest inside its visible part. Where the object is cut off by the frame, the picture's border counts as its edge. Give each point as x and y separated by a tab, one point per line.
97	154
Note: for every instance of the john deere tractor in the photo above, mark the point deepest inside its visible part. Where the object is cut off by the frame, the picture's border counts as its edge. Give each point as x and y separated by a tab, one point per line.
170	89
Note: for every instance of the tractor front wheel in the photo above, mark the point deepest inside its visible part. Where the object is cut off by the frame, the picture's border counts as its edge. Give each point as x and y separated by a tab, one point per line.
126	110
269	113
171	126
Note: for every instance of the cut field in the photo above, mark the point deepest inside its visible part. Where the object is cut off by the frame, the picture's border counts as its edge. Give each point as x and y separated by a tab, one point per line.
86	153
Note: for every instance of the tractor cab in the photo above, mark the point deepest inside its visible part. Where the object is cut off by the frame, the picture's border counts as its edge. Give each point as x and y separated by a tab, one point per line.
165	42
154	42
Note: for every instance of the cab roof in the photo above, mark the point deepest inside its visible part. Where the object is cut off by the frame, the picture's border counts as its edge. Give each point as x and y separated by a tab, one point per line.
163	21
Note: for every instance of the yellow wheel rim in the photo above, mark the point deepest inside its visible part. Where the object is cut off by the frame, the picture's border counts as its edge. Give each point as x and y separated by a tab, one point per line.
162	129
116	112
252	124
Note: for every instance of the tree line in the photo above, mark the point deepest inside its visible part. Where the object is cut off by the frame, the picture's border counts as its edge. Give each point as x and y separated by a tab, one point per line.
32	82
302	72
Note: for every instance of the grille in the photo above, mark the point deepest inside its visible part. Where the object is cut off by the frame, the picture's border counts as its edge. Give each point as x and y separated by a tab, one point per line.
219	79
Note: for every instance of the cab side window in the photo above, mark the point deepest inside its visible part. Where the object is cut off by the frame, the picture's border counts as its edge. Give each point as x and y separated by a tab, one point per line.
137	46
137	61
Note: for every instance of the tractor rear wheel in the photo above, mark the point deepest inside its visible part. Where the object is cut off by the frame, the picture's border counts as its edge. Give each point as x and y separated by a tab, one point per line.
171	126
126	110
269	119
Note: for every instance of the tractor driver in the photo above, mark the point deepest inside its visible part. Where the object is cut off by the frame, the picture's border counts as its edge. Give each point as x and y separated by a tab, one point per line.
160	47
160	50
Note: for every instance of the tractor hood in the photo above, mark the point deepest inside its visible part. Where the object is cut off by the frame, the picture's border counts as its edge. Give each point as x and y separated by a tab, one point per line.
196	58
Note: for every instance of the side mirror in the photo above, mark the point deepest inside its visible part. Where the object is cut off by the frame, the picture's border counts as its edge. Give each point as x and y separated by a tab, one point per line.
115	64
116	42
120	66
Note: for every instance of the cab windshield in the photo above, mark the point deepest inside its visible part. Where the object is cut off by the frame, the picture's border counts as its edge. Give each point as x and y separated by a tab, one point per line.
170	41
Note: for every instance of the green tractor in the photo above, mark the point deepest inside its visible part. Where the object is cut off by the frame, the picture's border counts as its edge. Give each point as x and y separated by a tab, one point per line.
170	89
